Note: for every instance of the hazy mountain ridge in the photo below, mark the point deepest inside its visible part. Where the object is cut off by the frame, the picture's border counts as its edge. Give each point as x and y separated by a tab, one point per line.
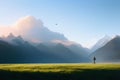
14	49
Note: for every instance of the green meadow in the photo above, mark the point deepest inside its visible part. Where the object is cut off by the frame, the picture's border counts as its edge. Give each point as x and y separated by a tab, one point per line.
59	71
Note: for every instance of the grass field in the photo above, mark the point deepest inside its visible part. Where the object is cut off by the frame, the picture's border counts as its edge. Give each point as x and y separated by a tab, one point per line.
59	71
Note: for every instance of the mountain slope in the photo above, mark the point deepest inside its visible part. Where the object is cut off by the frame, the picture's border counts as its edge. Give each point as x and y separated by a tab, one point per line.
64	53
109	52
17	50
100	43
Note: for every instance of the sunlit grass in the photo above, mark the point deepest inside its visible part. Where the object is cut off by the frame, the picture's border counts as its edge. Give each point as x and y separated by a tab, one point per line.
59	71
63	68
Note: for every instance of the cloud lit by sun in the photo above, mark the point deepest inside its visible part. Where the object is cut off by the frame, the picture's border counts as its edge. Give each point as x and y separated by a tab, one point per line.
32	29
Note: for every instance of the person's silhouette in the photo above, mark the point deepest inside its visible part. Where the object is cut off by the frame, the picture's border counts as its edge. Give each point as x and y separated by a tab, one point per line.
94	58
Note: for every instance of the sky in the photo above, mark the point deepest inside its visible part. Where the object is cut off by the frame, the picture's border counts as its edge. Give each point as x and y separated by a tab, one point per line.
82	21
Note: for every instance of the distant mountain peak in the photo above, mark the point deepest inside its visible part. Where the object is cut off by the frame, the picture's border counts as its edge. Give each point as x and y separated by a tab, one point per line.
115	39
20	37
10	36
100	43
117	36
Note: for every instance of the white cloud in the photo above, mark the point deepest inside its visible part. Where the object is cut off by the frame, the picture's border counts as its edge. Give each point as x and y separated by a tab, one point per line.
31	28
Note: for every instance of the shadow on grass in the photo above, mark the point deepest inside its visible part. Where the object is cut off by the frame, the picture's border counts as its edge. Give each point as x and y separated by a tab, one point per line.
76	75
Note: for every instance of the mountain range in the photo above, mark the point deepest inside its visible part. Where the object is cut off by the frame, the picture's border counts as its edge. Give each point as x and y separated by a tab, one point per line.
17	50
